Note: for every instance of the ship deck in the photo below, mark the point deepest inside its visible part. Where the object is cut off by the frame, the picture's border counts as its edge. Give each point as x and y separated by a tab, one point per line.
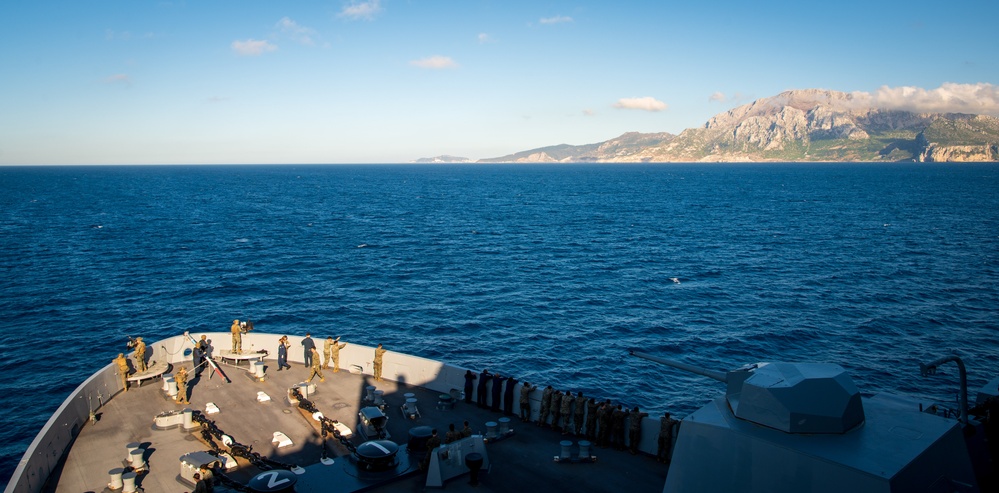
523	461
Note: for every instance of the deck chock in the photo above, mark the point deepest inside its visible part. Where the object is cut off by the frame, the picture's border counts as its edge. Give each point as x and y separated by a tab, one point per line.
211	408
281	439
262	396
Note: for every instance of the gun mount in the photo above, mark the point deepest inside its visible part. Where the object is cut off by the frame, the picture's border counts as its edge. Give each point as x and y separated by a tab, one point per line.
791	427
790	397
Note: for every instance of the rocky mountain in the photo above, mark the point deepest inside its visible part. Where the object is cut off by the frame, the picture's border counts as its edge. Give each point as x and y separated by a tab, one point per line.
801	125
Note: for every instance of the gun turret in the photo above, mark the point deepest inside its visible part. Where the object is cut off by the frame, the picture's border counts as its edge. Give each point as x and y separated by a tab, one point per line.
790	397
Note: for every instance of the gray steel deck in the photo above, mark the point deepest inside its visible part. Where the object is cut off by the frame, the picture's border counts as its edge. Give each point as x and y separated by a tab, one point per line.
522	462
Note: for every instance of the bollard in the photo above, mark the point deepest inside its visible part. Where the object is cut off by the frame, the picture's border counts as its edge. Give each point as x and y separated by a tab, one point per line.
504	425
303	388
410	405
370	395
490	429
137	460
115	474
379	397
173	388
566	450
129	448
584	449
166	383
188	418
128	482
258	369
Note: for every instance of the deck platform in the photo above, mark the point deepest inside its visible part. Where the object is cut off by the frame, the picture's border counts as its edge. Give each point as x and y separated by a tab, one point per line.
523	461
156	369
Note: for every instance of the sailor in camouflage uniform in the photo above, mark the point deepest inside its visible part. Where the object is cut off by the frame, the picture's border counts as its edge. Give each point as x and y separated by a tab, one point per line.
317	366
665	450
567	407
122	363
578	412
635	429
140	354
377	363
237	337
181	379
556	409
546	405
525	401
335	352
591	419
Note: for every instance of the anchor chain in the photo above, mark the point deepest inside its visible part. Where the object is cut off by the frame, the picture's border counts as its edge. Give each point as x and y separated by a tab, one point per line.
210	432
327	425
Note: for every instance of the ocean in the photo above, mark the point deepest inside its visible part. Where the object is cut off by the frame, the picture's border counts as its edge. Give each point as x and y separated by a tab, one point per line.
550	273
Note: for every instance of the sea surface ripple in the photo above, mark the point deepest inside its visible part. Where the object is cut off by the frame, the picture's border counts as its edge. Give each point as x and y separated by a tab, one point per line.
550	273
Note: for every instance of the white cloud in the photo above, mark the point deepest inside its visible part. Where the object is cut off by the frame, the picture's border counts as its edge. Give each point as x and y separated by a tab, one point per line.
118	79
589	112
252	47
980	98
718	96
647	103
361	10
296	32
558	19
485	38
435	62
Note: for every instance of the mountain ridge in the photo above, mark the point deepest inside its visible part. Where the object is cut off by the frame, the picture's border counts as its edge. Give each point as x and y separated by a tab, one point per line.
797	125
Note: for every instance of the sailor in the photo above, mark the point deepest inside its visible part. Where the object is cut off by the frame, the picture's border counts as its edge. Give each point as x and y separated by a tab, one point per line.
452	435
556	408
335	352
376	364
469	385
199	356
316	366
206	347
601	429
525	401
282	353
466	431
432	443
181	379
568	404
511	383
665	450
484	377
237	337
308	345
199	484
546	405
606	425
208	477
591	419
635	429
578	413
497	391
140	354
617	427
326	352
122	363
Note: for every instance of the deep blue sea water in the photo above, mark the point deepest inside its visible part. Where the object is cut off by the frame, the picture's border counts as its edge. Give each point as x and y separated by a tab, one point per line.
546	272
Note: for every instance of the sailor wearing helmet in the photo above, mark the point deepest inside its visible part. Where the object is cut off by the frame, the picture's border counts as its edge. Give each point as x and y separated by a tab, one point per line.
237	337
140	354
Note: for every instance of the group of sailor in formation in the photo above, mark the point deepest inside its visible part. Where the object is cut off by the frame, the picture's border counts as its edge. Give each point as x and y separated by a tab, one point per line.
604	422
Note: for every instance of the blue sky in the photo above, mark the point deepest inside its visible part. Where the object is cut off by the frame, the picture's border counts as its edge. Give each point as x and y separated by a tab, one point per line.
223	81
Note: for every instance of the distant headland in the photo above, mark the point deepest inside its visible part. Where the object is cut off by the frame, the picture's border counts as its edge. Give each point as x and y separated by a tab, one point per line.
810	125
